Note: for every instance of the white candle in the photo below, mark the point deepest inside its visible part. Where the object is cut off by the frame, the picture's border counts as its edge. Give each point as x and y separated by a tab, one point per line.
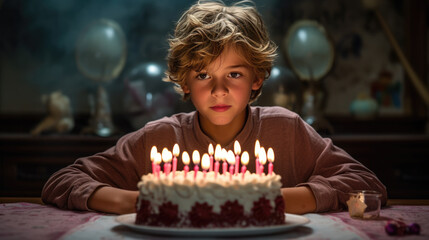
196	161
186	161
244	162
153	152
211	156
270	156
262	160
237	151
205	163
176	152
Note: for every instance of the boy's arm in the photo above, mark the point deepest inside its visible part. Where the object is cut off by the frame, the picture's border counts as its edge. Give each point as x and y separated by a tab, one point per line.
113	200
299	200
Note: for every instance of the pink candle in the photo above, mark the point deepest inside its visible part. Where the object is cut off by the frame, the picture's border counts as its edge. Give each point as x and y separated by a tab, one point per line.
224	164
158	160
231	161
218	157
205	164
216	168
176	152
185	160
262	160
237	151
244	162
257	148
211	156
196	161
153	152
166	158
270	157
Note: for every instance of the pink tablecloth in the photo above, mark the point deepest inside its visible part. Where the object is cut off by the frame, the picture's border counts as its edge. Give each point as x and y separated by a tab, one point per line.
35	221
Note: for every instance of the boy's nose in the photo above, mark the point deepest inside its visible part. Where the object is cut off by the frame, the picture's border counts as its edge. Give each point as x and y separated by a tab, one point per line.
219	89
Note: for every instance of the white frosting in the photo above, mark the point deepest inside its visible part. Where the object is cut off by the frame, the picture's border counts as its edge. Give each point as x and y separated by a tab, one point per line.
185	192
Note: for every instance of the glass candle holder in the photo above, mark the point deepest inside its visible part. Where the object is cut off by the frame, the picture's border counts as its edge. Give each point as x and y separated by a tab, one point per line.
364	204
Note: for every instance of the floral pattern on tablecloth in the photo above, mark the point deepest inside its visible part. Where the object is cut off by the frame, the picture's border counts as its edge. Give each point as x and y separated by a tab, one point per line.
374	229
37	221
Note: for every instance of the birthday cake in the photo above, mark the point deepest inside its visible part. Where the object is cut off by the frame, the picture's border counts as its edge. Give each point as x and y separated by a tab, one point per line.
208	200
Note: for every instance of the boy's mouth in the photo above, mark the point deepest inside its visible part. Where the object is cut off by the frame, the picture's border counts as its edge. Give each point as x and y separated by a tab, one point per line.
220	108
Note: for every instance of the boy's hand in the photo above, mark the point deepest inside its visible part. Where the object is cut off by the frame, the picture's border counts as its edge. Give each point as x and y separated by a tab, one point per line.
113	200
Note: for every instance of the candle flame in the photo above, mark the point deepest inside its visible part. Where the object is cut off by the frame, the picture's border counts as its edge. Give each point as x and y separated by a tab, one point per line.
211	149
237	148
257	148
166	155
176	150
245	158
185	158
153	152
205	161
224	154
196	157
262	156
270	155
230	158
218	153
158	158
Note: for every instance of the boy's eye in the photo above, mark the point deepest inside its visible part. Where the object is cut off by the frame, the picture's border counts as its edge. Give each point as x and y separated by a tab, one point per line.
234	75
202	76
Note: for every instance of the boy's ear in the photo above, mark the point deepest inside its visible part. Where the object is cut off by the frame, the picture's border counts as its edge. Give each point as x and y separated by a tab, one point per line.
257	83
185	89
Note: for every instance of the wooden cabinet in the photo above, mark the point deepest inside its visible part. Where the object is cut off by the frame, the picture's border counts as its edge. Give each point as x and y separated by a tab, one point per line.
400	161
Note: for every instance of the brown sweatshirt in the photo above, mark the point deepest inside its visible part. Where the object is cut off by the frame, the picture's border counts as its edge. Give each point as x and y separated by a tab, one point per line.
302	158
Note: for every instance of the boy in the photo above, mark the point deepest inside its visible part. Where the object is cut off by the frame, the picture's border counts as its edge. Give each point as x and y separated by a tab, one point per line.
219	58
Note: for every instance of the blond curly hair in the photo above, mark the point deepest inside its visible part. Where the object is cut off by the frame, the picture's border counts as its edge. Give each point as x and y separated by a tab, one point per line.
204	30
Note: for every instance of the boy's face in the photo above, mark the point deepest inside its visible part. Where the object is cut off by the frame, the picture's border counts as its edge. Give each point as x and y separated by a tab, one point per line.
221	91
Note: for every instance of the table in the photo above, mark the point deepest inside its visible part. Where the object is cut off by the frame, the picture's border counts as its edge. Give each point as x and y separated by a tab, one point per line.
23	220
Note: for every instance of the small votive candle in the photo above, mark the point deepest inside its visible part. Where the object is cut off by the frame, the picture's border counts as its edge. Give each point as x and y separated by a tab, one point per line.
364	204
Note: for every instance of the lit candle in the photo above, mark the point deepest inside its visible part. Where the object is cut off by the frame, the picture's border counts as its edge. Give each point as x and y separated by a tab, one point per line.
205	164
231	161
185	160
158	160
262	160
166	158
224	164
211	156
218	157
244	162
196	161
237	151
176	152
257	148
270	156
153	152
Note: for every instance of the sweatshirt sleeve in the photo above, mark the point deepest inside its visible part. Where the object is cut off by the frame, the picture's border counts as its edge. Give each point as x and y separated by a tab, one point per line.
120	166
331	172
